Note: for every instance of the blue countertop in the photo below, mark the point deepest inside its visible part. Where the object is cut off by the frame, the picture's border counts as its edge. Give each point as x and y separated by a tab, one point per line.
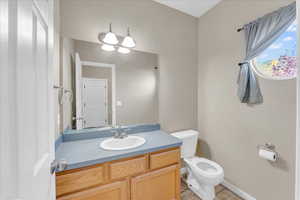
82	153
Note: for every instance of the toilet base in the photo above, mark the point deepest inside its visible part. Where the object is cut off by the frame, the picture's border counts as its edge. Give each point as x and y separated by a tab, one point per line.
205	192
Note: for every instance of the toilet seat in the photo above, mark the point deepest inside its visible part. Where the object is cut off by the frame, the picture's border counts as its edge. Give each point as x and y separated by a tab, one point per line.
206	168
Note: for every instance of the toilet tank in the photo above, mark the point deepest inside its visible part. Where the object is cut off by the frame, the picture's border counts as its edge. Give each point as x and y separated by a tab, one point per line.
189	140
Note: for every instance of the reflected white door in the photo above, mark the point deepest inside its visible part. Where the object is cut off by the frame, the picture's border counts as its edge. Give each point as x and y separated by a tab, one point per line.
27	135
94	102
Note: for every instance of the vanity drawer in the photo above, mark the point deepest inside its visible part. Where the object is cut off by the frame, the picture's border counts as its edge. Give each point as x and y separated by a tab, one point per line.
72	181
112	191
127	168
162	159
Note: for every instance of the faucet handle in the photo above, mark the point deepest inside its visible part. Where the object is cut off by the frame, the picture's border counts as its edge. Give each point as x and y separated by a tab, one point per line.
124	132
115	131
116	134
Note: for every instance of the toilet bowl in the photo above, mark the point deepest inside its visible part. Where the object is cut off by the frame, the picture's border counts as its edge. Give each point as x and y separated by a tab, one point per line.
203	174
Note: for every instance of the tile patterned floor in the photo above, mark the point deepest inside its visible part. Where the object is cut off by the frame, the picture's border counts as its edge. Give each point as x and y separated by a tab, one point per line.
222	193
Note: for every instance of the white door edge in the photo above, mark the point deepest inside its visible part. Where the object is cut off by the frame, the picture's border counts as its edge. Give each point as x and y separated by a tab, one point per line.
78	75
40	164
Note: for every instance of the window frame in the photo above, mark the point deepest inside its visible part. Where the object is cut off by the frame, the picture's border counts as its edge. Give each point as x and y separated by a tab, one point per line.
264	76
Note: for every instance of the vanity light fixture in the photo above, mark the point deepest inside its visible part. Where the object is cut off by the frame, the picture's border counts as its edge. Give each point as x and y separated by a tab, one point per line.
110	41
123	50
110	37
107	47
128	41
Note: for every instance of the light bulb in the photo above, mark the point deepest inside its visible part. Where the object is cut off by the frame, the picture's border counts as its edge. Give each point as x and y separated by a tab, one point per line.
123	50
128	41
110	37
107	47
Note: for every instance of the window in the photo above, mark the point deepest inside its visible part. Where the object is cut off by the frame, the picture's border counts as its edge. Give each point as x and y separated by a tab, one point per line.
279	60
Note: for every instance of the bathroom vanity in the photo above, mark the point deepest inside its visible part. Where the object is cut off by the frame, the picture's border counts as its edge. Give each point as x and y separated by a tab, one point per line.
113	90
151	171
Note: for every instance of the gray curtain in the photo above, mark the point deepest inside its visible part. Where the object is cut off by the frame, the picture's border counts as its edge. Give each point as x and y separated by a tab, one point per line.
260	34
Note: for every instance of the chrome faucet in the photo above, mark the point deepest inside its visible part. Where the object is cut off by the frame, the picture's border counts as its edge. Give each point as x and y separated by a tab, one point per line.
119	132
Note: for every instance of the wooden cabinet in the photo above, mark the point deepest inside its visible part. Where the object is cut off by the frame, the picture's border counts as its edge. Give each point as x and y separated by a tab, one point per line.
165	158
161	184
152	176
75	180
128	167
113	191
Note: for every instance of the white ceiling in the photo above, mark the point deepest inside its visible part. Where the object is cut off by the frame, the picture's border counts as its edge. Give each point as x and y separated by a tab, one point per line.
195	8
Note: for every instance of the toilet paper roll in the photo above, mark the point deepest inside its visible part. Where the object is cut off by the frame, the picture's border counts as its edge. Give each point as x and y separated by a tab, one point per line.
268	155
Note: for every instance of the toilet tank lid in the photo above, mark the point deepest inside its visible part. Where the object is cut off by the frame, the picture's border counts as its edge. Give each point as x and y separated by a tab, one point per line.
185	134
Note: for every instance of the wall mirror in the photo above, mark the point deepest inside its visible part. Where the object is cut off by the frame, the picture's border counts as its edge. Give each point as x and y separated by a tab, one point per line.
102	89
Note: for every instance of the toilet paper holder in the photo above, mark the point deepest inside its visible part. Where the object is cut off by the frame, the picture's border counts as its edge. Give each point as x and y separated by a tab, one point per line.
269	147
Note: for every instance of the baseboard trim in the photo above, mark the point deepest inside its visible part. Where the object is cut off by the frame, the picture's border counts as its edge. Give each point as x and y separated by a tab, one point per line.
237	191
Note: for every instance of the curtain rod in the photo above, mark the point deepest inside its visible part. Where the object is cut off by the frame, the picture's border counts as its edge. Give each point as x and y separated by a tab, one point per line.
240	29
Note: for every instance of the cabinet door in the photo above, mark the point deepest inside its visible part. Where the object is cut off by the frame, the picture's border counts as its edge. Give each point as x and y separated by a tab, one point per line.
162	184
114	191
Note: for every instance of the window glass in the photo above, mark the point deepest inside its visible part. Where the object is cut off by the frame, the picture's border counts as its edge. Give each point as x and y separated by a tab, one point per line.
279	60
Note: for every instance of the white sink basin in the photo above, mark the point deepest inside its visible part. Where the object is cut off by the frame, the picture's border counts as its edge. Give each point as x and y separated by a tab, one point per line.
129	142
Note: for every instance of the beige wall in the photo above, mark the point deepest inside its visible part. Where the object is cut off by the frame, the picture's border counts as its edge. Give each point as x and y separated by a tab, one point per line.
157	29
101	73
136	81
230	130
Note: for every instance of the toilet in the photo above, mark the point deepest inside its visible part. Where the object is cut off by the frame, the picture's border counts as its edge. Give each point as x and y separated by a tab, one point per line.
203	174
